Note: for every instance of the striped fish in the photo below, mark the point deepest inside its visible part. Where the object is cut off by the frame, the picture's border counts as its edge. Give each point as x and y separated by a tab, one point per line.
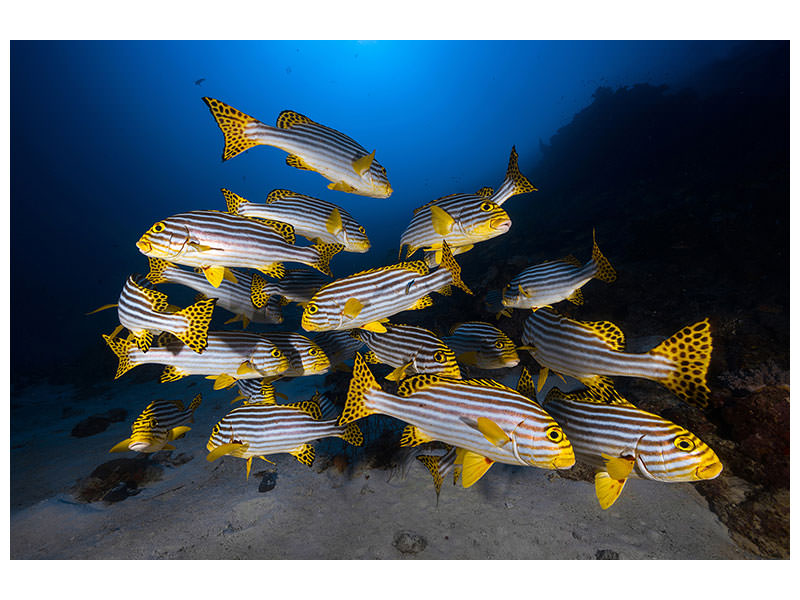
410	350
256	391
557	280
369	297
339	346
311	147
230	295
478	344
297	285
305	357
160	422
463	220
316	220
486	420
258	430
229	355
621	441
494	304
214	241
587	350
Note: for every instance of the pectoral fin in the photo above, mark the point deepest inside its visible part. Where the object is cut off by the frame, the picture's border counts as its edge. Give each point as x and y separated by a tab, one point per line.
363	164
214	275
398	373
352	308
618	467
334	223
246	369
490	430
607	489
442	222
221	381
374	326
542	378
468	358
341	186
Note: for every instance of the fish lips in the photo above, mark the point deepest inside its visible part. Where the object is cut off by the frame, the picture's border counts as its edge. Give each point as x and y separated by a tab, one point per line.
501	224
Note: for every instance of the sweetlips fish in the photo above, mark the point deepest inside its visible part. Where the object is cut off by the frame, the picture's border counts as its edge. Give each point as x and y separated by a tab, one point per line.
488	421
216	241
305	356
622	441
463	220
410	350
297	285
553	281
479	344
143	311
233	296
256	391
311	147
161	422
316	220
228	356
368	298
493	302
258	430
590	350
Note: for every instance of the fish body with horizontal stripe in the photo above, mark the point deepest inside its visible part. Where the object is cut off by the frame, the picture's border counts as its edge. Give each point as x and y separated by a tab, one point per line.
410	350
480	416
297	285
158	424
228	356
586	350
214	240
305	356
553	281
365	299
479	344
316	220
233	296
311	147
144	311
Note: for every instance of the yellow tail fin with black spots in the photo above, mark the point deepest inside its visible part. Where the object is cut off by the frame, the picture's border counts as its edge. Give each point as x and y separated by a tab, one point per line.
121	348
689	350
233	124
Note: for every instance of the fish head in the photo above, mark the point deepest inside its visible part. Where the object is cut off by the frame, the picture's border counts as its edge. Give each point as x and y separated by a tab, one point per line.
222	434
165	239
268	359
484	220
375	182
322	316
441	361
146	435
498	352
675	454
355	239
541	443
315	360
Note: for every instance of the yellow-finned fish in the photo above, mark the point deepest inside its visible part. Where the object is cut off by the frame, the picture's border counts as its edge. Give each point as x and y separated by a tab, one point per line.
229	356
553	281
489	422
316	220
479	344
589	350
311	147
463	220
258	430
622	441
160	423
215	241
368	298
256	391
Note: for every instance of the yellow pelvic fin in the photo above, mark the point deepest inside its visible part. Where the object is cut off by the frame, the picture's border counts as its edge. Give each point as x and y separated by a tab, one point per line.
442	222
689	350
276	270
178	432
449	263
374	326
576	297
618	467
362	165
607	489
334	222
341	186
398	373
605	272
352	308
214	274
295	161
233	124
414	436
228	275
221	381
233	202
473	467
122	446
171	373
246	369
198	317
324	254
361	384
224	449
304	453
121	348
542	378
104	307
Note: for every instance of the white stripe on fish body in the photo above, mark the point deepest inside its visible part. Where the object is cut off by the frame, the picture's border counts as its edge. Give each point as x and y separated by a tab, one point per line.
404	344
569	348
270	429
382	293
309	217
305	356
137	313
492	347
439	411
339	346
547	283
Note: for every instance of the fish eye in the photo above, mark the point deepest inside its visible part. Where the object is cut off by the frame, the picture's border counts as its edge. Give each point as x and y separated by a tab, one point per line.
554	434
684	443
361	229
158	227
311	308
439	356
276	353
215	430
499	344
313	352
486	206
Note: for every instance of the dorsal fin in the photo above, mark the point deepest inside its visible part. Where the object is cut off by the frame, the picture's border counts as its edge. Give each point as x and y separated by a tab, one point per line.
432	202
608	332
484	192
278	194
418	266
159	299
288	119
285	230
309	407
584	396
571	260
417	382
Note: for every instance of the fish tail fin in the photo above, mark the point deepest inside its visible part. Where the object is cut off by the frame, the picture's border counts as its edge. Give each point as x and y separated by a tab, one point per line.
157	268
361	384
518	182
233	124
121	347
352	435
449	263
605	272
233	202
259	295
198	317
196	402
324	254
689	350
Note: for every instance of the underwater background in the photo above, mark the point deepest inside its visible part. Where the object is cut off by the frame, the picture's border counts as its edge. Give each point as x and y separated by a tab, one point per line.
676	153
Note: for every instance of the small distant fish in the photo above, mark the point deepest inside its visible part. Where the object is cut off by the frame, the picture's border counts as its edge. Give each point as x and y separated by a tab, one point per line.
297	285
160	423
318	221
479	344
258	430
200	81
554	281
622	441
494	304
305	356
488	422
588	350
230	295
410	350
215	241
368	298
463	220
311	146
339	346
229	355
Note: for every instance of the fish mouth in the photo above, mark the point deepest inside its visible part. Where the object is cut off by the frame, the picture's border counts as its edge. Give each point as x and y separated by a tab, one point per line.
709	471
139	446
501	224
144	246
564	460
